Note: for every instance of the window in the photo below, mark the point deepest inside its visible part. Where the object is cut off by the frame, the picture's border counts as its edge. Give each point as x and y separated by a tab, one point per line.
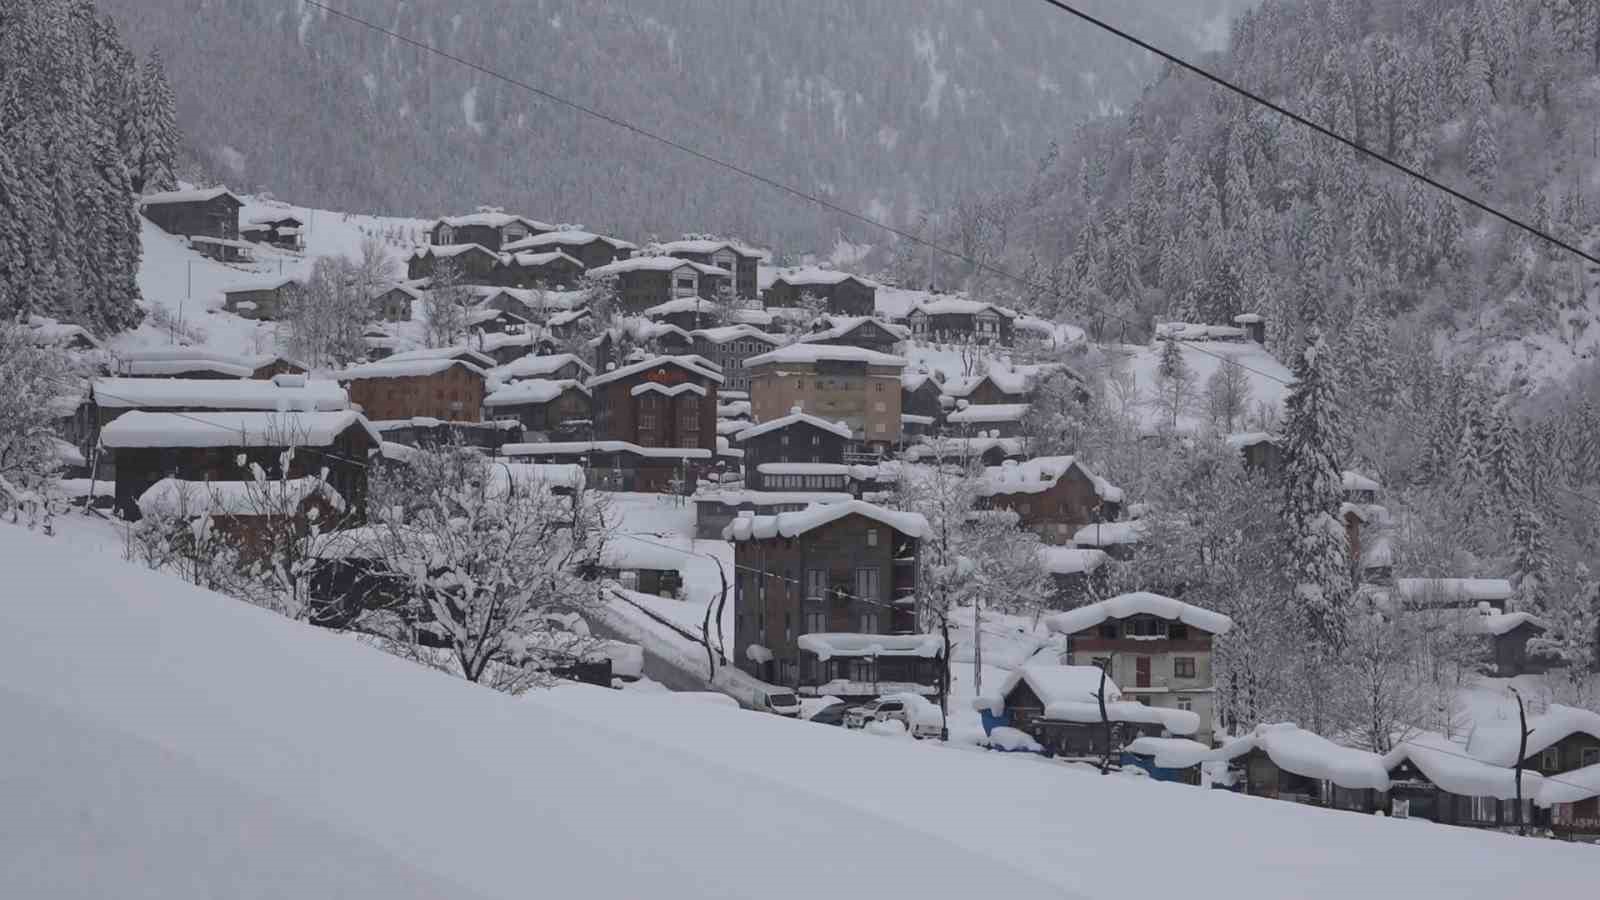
1591	756
867	584
447	235
783	440
1108	630
1177	631
683	286
879	407
816	622
689	417
816	583
872	537
788	628
878	387
1482	809
869	623
861	670
1183	667
816	439
1550	760
648	405
1148	626
1186	703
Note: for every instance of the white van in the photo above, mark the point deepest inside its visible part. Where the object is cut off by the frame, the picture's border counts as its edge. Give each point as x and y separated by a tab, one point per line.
778	702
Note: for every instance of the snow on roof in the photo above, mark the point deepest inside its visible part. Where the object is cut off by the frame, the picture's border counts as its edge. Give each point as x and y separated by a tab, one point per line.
679	305
1496	743
532	260
1568	787
650	387
656	264
705	245
953	305
537	366
725	333
1109	534
467	354
811	276
450	251
492	219
979	413
769	498
1070	560
694	364
581	448
793	524
175	497
405	368
263	284
628	551
1431	591
827	645
207	393
183	359
1497	624
567	239
796	416
1041	474
474	317
1446	764
533	390
962	447
813	353
1245	439
1134	604
138	428
275	219
1355	481
1295	750
750	316
47	332
533	476
912	381
1269	380
1008	381
803	468
193	195
1168	752
839	326
1191	331
1072	694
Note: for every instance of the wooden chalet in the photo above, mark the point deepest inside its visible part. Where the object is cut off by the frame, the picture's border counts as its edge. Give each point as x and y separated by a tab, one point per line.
622	465
469	263
270	365
1059	706
248	514
1053	496
266	301
716	509
489	228
729	346
590	250
663	401
919	396
730	256
1260	451
859	331
844	294
548	409
527	269
487	320
960	319
397	303
1078	576
646	281
795	438
202	212
181	362
403	388
824	600
277	229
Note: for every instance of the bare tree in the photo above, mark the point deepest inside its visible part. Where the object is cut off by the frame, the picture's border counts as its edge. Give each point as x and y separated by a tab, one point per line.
1174	388
445	306
326	314
1227	396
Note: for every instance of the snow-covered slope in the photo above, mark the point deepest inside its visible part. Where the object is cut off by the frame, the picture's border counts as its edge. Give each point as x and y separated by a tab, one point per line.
153	717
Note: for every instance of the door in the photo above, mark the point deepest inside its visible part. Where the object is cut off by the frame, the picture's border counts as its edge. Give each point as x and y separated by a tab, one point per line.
1141	671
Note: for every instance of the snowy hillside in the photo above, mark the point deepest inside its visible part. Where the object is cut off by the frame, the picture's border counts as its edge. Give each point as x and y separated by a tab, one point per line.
179	715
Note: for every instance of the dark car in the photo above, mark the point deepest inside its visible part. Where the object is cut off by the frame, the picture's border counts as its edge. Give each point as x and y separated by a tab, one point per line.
833	714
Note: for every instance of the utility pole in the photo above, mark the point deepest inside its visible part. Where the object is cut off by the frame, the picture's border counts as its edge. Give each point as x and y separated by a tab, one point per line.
977	647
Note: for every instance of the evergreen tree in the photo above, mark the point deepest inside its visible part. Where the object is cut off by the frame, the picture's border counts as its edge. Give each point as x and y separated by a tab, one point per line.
158	139
1317	558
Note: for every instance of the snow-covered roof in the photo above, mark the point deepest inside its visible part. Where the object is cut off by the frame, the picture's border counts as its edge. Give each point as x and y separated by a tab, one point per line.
1569	787
650	387
532	476
1191	331
704	245
450	251
1041	473
803	468
1072	694
537	366
1109	534
474	317
959	306
138	428
534	260
962	447
275	219
1497	624
1295	750
1070	560
183	359
827	645
175	497
813	353
793	524
407	368
567	239
208	393
795	416
1247	319
193	195
979	413
580	448
1245	439
262	284
1168	752
725	333
839	326
769	498
1446	764
1138	603
694	364
1496	743
1008	381
656	264
812	276
679	305
1355	481
533	390
750	316
492	219
467	354
1432	591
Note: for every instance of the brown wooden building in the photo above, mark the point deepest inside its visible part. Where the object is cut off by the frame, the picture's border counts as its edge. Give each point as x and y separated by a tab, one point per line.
858	387
207	212
845	294
526	269
646	281
490	228
279	230
1053	496
960	319
664	401
591	250
729	346
266	301
557	409
919	396
730	256
207	446
795	438
446	389
395	304
859	331
472	263
843	576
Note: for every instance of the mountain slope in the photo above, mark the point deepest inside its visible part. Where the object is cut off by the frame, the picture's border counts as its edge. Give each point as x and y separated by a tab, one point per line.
890	106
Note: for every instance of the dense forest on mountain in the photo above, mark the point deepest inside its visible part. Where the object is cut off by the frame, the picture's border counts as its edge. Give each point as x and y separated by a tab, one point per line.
893	106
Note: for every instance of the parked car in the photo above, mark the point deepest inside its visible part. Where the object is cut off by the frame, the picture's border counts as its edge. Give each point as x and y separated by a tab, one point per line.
832	714
920	717
782	703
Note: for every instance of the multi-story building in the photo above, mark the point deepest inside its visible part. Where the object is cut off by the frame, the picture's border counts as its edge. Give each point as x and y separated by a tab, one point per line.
858	387
646	281
664	401
844	294
730	256
1053	496
729	346
957	318
824	599
467	263
438	388
490	228
795	438
591	250
1158	649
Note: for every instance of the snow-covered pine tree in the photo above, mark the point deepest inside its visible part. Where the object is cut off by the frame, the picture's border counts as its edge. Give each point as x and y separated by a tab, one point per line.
158	129
1318	560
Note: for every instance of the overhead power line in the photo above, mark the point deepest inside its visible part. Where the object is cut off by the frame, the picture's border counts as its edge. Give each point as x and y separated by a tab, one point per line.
1329	133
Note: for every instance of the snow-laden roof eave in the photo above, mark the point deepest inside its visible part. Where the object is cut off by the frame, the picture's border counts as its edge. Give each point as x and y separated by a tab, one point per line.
1138	603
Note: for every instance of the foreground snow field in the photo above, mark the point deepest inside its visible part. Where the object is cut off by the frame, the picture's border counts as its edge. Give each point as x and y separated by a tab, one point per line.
165	741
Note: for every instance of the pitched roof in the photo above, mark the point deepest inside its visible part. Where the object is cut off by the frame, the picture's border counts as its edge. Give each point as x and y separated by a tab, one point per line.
1041	473
208	393
176	497
567	239
534	390
532	260
406	368
1423	591
450	251
1497	743
656	264
697	365
538	366
232	429
1134	604
793	524
812	353
1293	749
840	326
193	195
704	245
265	284
465	354
795	417
724	333
1072	694
979	413
812	276
959	306
1070	560
583	448
492	220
